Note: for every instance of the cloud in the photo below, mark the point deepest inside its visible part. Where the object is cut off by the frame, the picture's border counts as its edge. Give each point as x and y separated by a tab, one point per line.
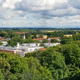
10	3
39	12
48	8
40	5
75	4
1	2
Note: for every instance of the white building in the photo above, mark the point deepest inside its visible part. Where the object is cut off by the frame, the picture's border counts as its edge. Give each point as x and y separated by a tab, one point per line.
31	44
21	49
4	42
51	44
24	37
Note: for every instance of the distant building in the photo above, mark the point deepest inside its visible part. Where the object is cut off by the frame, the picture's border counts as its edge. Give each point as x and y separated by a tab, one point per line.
43	49
24	37
39	39
4	43
49	39
21	49
7	39
22	32
51	44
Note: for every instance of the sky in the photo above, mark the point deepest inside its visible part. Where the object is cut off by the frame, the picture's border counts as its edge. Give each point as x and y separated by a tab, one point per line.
40	13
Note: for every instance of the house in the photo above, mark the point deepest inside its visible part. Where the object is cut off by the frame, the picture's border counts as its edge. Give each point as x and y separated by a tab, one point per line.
49	39
40	39
43	49
4	43
22	32
51	44
21	49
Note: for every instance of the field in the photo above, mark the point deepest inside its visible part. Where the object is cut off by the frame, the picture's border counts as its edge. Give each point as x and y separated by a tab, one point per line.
68	35
49	30
44	36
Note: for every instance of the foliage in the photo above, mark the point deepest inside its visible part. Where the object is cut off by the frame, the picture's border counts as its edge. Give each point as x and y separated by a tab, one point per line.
52	60
42	44
45	41
14	67
40	36
54	40
1	76
76	36
55	34
66	40
1	43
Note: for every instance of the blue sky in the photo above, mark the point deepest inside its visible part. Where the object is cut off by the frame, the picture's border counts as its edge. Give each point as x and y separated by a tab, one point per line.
40	13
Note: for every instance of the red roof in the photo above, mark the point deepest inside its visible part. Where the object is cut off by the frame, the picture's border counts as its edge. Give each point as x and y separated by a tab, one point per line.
1	37
55	38
39	39
22	32
46	38
43	49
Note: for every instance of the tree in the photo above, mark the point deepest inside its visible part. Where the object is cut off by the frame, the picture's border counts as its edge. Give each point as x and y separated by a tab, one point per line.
18	65
1	76
66	40
45	41
42	44
40	36
76	36
1	43
54	40
54	61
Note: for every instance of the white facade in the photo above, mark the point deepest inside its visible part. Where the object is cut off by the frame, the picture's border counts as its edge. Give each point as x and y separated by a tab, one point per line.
31	44
24	48
34	44
24	37
4	42
51	44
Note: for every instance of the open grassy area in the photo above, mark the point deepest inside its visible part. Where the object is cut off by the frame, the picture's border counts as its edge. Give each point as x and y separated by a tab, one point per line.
68	35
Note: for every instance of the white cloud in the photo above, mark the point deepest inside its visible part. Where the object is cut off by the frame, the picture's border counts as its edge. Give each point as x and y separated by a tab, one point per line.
10	3
41	12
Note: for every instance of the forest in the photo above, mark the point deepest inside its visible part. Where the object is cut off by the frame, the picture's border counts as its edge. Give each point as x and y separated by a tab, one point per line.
56	63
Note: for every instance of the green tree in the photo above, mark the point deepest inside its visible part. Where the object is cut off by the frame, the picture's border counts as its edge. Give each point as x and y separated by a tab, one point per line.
66	40
45	41
54	40
18	65
76	36
1	43
40	36
54	61
1	76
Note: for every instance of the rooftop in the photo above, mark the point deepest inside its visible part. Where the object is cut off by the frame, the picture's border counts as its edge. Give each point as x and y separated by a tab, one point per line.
43	49
46	38
22	32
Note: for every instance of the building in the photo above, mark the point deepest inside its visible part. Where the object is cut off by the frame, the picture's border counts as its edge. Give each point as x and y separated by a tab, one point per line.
22	32
43	49
4	43
49	39
40	39
51	44
8	49
24	37
21	49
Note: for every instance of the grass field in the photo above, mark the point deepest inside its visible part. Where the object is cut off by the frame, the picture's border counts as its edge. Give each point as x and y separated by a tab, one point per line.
44	36
68	35
49	31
